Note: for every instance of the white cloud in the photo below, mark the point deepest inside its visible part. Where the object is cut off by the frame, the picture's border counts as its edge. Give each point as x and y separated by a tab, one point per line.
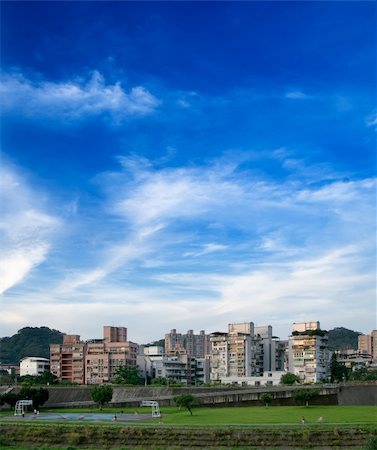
297	95
206	249
74	99
371	120
262	250
26	229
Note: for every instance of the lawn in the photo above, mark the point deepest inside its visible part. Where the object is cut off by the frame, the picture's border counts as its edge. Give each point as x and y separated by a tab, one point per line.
271	415
252	415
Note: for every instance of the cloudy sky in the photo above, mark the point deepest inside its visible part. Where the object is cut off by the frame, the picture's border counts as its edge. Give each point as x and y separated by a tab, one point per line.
186	165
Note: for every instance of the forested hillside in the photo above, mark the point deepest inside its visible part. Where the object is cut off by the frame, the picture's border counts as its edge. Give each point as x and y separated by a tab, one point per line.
29	341
343	339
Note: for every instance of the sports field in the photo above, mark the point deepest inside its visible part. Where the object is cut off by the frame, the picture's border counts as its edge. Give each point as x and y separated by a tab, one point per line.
279	415
274	427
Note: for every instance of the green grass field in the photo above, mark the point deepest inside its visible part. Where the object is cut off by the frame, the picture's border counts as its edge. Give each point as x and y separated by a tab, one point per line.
247	415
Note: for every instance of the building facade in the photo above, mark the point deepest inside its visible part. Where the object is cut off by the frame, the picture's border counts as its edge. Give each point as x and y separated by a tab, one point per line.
244	352
94	361
34	365
367	345
196	345
309	357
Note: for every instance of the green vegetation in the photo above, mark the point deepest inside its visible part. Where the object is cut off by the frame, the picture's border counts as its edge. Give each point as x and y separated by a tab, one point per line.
289	378
220	428
127	375
304	396
186	401
46	378
266	399
29	341
316	332
39	396
343	339
102	394
363	374
339	372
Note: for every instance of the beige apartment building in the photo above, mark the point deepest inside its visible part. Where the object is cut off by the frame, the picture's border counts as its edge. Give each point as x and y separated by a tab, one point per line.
367	344
94	361
191	344
309	357
67	359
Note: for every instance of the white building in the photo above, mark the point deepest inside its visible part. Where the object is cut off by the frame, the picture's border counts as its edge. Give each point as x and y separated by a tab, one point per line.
34	365
308	354
181	368
246	352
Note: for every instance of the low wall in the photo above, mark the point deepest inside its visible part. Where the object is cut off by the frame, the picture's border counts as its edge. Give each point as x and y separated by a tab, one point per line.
214	396
352	395
330	394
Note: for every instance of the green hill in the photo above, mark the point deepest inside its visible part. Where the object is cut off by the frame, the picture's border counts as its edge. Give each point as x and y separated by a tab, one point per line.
342	339
29	341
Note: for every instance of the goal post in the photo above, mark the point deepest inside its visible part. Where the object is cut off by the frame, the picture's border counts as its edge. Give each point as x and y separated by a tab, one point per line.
19	409
154	405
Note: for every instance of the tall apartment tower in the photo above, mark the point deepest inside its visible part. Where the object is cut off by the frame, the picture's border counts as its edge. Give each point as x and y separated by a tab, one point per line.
367	344
232	352
196	345
67	359
309	357
104	357
114	334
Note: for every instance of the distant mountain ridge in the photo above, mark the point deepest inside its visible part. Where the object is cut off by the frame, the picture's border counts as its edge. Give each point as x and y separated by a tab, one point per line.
343	339
29	341
35	341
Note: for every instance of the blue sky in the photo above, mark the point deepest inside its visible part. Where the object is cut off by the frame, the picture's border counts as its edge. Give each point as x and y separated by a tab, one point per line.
186	165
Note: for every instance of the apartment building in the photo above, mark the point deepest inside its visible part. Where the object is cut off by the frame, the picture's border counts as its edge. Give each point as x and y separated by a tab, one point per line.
94	361
180	368
197	345
245	353
34	365
367	344
67	359
309	357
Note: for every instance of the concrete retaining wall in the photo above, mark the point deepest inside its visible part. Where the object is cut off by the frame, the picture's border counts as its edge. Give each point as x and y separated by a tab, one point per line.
222	396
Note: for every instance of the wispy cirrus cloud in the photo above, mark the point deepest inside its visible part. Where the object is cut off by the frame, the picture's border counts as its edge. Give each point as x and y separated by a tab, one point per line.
26	229
239	245
297	95
74	99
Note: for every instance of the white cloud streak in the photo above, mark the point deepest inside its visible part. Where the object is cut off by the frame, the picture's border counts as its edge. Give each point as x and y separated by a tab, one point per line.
26	229
74	99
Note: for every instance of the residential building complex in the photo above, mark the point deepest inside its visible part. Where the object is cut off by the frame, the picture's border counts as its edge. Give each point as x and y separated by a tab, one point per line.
94	361
181	368
245	352
367	344
309	357
197	345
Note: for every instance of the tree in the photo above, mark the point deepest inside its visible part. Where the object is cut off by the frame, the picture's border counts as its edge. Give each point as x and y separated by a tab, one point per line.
10	398
338	371
363	374
160	381
38	396
304	396
102	394
186	401
127	375
289	378
266	399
